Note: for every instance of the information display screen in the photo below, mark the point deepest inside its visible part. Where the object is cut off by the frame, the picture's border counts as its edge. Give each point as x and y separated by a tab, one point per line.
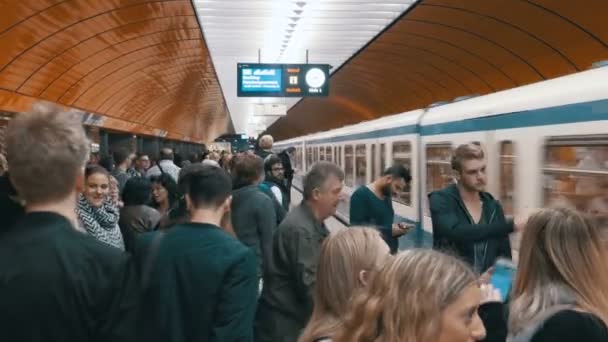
282	80
265	79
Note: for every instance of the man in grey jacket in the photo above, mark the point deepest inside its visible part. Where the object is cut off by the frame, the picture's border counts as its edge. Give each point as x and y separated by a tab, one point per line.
253	213
286	302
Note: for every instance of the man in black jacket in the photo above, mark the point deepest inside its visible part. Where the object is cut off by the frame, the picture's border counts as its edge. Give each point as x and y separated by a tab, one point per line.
202	283
466	219
56	283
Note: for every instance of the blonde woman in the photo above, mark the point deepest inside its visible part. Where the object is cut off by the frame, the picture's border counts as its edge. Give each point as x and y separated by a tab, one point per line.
561	289
347	260
419	296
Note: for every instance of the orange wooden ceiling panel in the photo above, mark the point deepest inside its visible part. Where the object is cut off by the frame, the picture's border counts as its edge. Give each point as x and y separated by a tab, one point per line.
443	49
93	45
570	45
141	61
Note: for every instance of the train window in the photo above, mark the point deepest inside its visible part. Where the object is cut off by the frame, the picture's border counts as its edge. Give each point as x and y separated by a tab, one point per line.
361	165
328	154
294	160
299	158
382	157
402	155
576	174
438	166
321	153
349	163
315	151
339	148
336	157
309	158
507	176
374	166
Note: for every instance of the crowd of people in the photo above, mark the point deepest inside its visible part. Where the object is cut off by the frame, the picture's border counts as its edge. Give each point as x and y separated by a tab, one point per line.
213	249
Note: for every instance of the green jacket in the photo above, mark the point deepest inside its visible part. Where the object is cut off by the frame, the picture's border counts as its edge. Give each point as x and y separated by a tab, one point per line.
203	285
454	229
286	302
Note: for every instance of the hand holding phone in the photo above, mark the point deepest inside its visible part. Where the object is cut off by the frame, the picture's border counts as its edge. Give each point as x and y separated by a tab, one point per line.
401	228
489	294
502	277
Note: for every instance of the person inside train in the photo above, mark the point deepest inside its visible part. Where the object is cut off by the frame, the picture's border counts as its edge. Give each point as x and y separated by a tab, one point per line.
123	159
202	281
286	302
559	292
165	165
373	204
137	217
467	220
165	194
274	181
265	146
419	295
253	212
97	213
58	284
348	260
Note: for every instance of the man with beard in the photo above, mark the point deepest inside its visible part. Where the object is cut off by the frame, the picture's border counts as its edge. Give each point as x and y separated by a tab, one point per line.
275	180
467	220
373	205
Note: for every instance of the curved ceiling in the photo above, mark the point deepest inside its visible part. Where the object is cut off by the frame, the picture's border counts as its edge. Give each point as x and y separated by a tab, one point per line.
143	64
443	49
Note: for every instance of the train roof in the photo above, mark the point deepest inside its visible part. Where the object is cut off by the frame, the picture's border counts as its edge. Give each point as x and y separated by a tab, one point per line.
585	86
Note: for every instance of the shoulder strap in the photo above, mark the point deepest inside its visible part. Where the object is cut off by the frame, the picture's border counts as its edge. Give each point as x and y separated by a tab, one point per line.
533	327
162	172
151	258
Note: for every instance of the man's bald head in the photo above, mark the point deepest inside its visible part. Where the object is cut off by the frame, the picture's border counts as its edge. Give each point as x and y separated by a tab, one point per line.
166	154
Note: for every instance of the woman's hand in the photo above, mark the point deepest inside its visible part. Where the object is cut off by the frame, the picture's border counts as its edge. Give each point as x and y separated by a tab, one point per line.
489	294
485	278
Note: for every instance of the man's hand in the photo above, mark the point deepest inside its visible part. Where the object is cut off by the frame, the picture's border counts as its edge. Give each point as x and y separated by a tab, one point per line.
401	228
520	222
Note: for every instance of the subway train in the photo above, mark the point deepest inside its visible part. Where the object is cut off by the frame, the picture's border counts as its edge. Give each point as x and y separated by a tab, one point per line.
545	144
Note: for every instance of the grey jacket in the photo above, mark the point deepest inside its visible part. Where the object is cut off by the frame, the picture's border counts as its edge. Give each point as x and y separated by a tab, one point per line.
286	302
254	222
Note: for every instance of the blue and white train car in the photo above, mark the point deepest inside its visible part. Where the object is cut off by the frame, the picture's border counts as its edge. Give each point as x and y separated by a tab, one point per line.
546	144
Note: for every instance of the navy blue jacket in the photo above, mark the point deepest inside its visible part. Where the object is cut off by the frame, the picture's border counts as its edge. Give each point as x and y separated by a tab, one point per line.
454	230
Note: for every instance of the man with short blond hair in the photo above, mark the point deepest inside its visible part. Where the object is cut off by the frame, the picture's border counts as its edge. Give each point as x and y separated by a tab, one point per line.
58	284
467	220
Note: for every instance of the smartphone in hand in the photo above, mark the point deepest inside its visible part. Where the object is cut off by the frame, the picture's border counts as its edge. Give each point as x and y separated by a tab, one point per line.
503	276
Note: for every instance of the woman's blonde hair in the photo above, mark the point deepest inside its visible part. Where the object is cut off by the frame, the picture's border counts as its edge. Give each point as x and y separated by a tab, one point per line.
562	260
406	299
342	258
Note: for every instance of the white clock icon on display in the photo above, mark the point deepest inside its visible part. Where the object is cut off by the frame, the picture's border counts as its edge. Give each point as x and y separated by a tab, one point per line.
315	78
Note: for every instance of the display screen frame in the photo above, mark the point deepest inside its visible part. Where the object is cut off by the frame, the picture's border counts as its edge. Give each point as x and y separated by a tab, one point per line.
294	81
